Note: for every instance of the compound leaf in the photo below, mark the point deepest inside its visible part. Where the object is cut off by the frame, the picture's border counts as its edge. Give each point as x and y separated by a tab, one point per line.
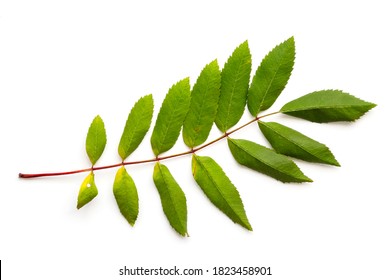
219	189
327	106
292	143
203	106
171	117
271	77
172	197
234	87
126	195
137	125
96	139
88	191
266	161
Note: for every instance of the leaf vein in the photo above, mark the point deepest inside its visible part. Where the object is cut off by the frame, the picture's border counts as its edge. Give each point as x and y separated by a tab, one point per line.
217	188
245	150
170	197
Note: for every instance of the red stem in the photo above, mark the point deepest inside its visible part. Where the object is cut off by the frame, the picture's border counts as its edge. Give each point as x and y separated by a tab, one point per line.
93	168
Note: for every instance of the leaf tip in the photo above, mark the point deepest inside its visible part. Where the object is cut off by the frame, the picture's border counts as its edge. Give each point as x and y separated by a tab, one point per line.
80	205
243	47
248	226
98	118
291	40
307	180
149	97
371	105
245	43
215	61
186	80
184	234
335	163
303	179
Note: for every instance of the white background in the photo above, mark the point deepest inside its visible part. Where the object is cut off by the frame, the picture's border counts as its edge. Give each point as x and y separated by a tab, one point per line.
63	62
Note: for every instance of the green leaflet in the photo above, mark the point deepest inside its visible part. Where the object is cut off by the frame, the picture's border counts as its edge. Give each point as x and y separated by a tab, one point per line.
292	143
271	77
219	189
137	125
327	106
96	139
172	197
266	161
171	116
234	87
87	191
126	195
203	106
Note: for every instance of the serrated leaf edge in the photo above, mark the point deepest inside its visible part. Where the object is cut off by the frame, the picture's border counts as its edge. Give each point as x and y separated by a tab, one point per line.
259	109
172	202
246	225
135	128
368	104
308	179
123	169
303	148
225	125
191	145
159	144
93	161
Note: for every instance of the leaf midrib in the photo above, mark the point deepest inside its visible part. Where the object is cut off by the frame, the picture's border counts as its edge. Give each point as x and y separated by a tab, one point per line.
282	172
295	143
170	198
233	90
324	107
172	113
269	86
219	191
198	119
95	148
130	136
280	62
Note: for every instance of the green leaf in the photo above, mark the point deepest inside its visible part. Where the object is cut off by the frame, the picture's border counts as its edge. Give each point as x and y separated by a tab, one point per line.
171	117
292	143
234	88
219	189
96	139
327	106
203	106
266	161
137	125
126	195
172	197
87	191
271	77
